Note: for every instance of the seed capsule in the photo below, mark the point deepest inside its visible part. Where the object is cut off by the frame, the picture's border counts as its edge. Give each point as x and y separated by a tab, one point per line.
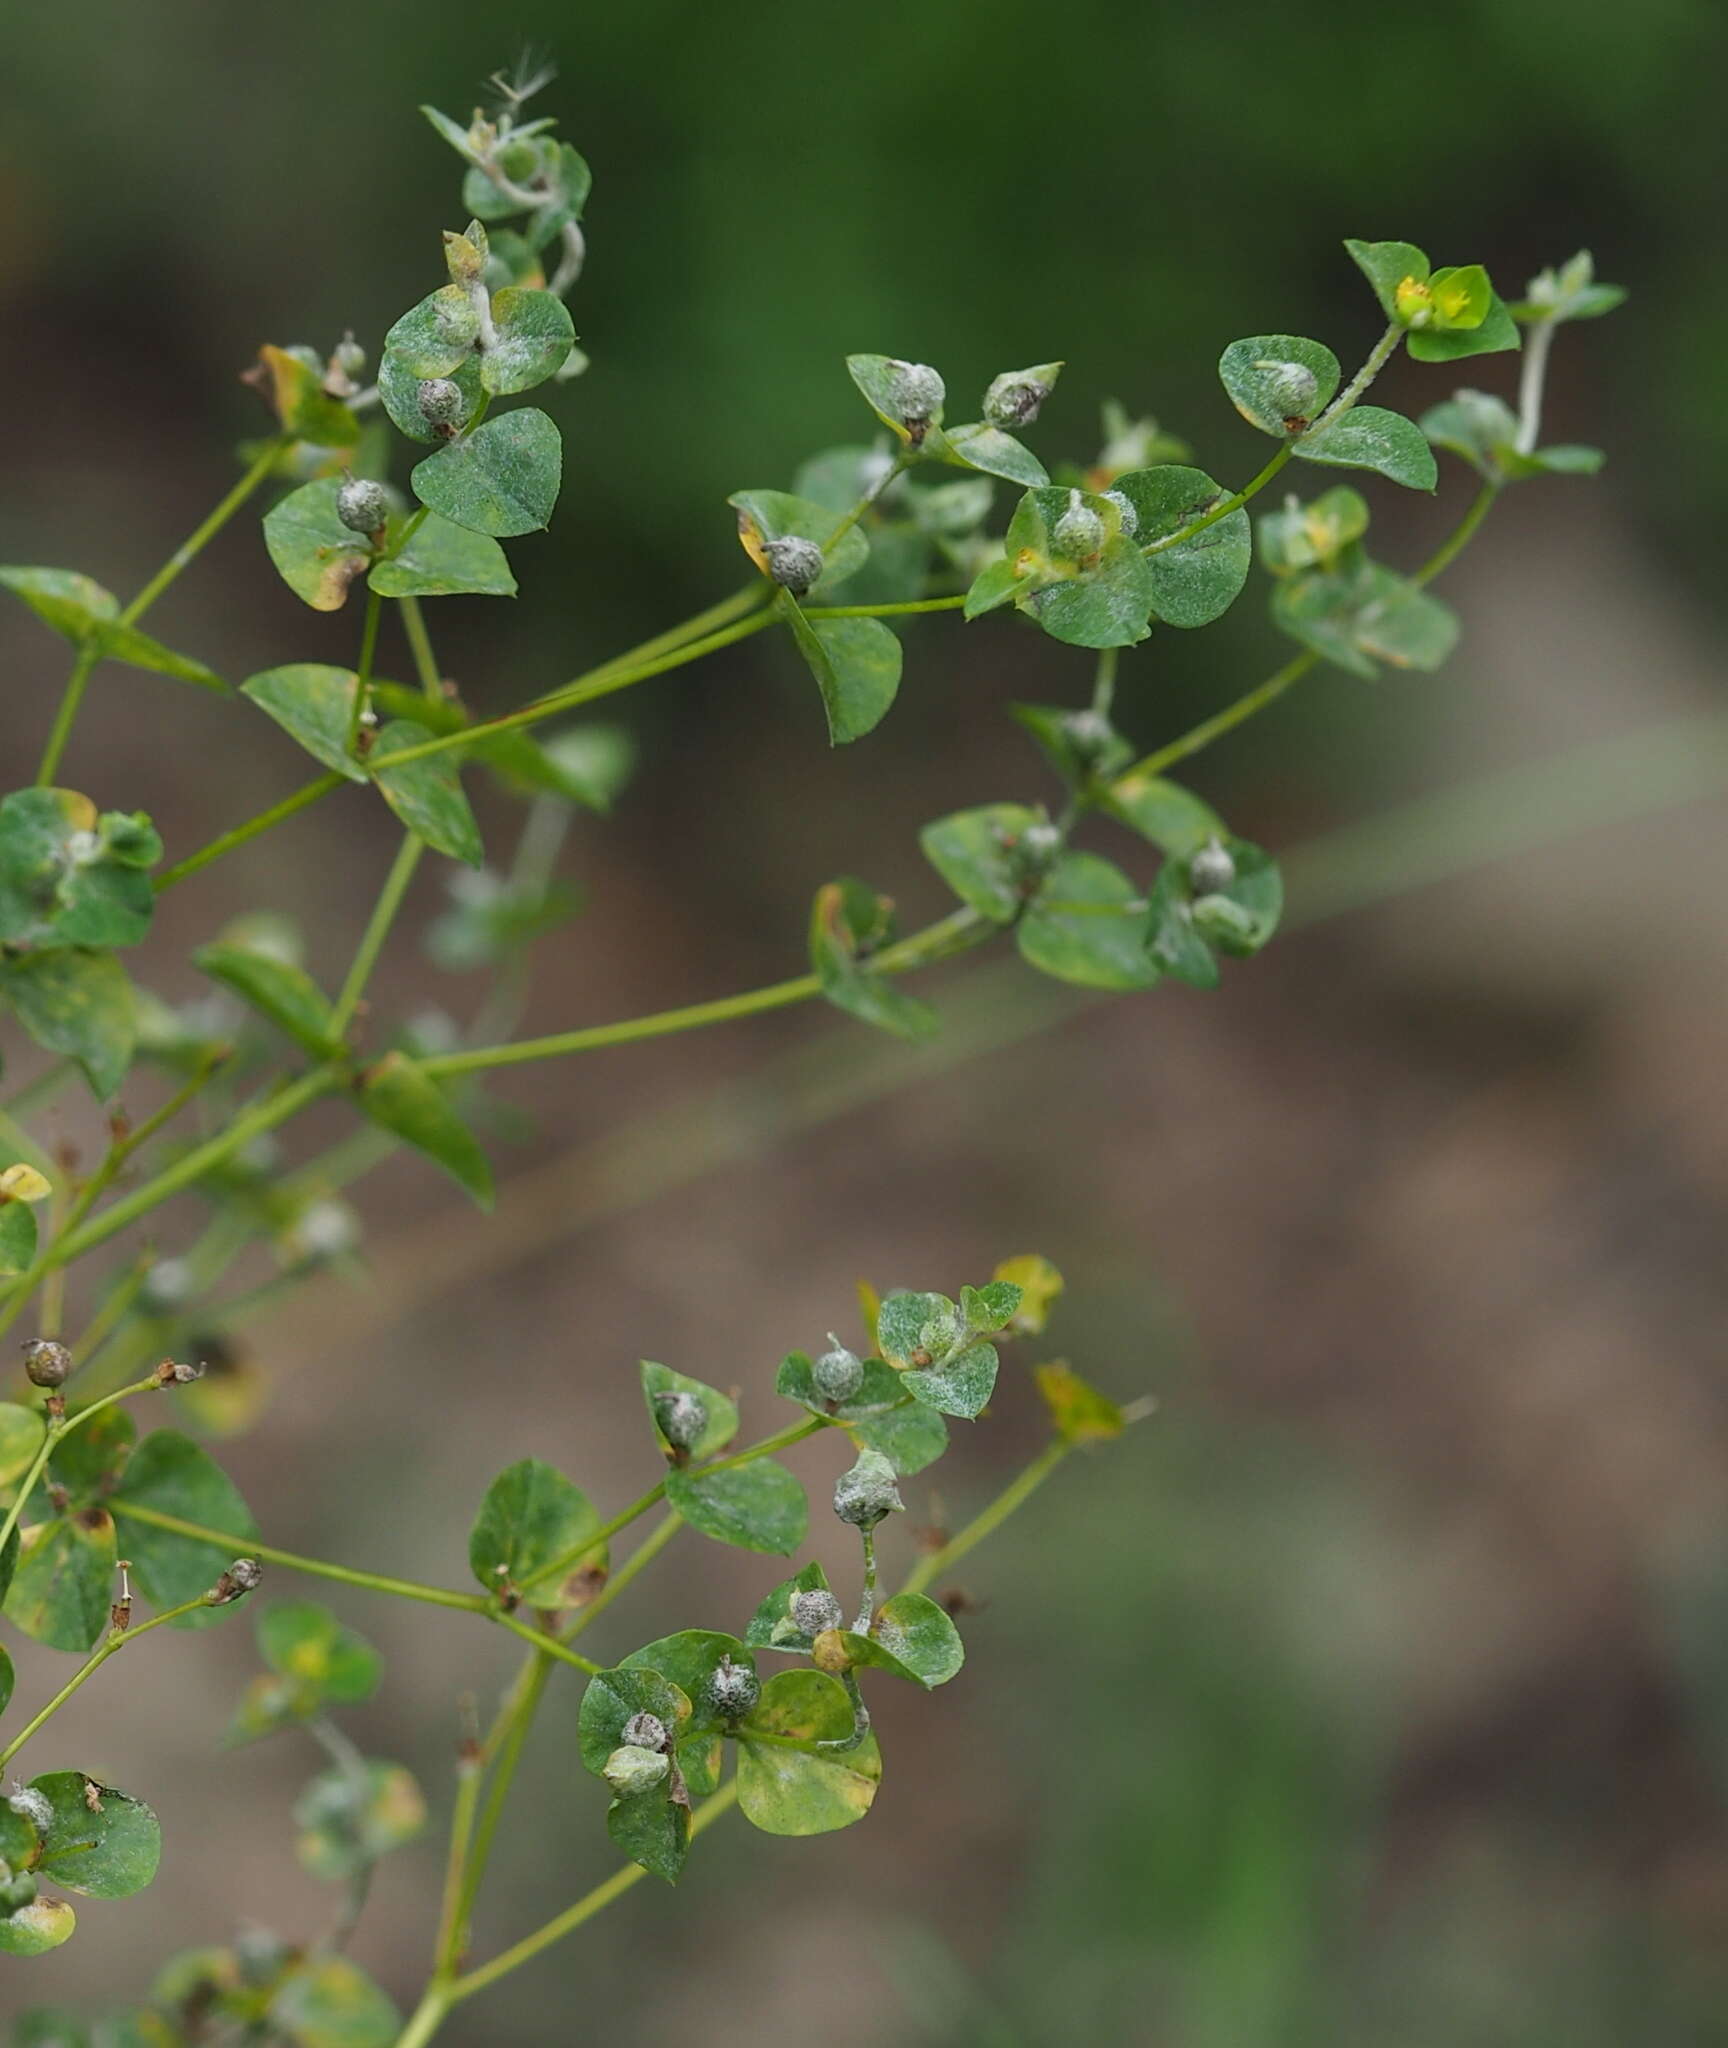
46	1363
839	1373
362	505
1079	533
815	1610
630	1769
644	1731
243	1576
867	1492
793	562
1013	400
732	1690
1211	869
1223	920
915	393
1291	387
682	1418
442	403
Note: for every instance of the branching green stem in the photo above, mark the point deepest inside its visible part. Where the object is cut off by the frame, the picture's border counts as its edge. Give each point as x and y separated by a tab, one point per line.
1012	1496
307	793
377	931
116	1640
54	1434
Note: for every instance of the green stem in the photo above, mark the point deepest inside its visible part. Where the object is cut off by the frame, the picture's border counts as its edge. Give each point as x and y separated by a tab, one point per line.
377	931
737	606
346	1575
627	1573
951	934
561	1567
116	1641
884	611
1012	1496
452	1917
1223	721
54	1434
524	1705
194	545
64	719
573	1917
547	1646
1378	357
89	655
363	673
1104	683
584	691
1225	506
420	646
308	793
113	1311
1460	537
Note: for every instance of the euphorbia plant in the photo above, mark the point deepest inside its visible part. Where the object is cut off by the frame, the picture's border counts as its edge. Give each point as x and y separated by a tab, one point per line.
770	1715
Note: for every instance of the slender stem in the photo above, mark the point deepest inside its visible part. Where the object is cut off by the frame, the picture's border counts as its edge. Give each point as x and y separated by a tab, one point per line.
884	611
519	1719
194	545
377	931
561	1567
574	1916
1460	537
420	646
1104	683
53	1435
1012	1496
113	1311
91	652
117	1640
193	1165
737	606
363	673
134	1140
867	1609
1225	506
548	1646
71	698
896	468
951	934
308	793
347	1575
1532	376
447	1950
639	1559
583	691
1222	722
1378	357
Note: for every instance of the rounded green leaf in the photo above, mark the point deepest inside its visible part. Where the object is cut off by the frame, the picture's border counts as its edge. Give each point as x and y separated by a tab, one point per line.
1198	579
501	479
64	1580
1260	371
534	335
1086	925
786	1788
442	560
721	1410
275	988
20	1439
399	392
303	1641
989	449
34	1929
960	1385
856	664
910	1438
878	1391
78	1003
778	515
71	603
913	1638
1179	944
100	1842
973	852
1387	265
17	1239
71	876
1361	614
653	1829
434	337
314	703
772	1627
1370	437
1173	818
347	1821
690	1659
849	923
427	794
397	1094
315	554
330	2002
610	1700
172	1475
532	1519
1498	330
758	1506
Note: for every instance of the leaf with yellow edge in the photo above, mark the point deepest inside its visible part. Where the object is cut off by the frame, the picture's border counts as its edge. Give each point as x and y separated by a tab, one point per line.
1040	1285
1080	1413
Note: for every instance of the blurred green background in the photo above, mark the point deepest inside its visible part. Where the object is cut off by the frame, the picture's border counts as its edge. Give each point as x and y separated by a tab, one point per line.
1373	1692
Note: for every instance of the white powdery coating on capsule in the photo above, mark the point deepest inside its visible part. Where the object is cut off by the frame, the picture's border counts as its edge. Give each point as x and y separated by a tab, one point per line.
33	1805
